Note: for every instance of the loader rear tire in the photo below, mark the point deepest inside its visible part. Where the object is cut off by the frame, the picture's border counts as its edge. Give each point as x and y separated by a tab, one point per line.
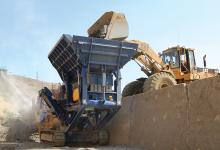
133	88
159	81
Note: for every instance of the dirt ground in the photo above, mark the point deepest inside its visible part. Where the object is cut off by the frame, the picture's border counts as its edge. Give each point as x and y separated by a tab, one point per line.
38	146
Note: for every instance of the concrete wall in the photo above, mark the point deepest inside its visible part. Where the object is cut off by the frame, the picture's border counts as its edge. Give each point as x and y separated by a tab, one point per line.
177	118
204	110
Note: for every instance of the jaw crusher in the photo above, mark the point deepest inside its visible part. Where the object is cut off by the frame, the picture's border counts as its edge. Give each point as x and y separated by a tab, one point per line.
91	91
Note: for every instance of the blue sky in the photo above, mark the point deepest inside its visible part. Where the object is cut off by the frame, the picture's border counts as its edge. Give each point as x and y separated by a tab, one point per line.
30	28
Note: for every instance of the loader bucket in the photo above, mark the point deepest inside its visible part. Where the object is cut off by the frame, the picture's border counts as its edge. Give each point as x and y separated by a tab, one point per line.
111	25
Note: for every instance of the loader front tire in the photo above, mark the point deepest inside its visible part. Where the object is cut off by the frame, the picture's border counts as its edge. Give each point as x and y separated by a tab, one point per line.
159	81
133	88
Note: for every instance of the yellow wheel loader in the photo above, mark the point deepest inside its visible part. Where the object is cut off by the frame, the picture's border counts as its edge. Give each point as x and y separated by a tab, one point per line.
173	66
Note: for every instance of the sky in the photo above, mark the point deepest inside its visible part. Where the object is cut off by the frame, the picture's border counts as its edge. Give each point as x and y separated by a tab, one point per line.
30	28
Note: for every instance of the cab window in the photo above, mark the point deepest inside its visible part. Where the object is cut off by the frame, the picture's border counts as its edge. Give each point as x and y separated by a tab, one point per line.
171	58
191	60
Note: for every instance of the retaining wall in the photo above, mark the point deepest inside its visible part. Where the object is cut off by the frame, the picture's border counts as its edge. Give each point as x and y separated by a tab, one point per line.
184	117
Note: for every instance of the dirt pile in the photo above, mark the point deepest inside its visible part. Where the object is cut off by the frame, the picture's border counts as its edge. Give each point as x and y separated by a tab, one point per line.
4	108
18	131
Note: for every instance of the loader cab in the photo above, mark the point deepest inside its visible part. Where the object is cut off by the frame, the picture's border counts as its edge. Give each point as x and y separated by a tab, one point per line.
180	59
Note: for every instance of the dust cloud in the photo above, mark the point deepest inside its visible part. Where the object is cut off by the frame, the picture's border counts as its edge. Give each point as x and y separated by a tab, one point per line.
17	118
16	96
